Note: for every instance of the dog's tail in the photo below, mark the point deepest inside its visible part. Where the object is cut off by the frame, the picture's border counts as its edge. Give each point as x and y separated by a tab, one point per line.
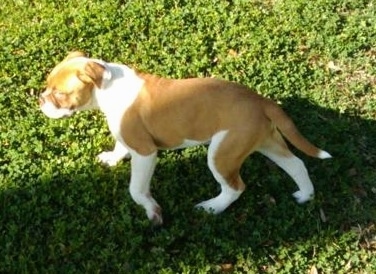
288	129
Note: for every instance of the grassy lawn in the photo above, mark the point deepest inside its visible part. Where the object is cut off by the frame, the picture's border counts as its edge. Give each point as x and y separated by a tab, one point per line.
62	212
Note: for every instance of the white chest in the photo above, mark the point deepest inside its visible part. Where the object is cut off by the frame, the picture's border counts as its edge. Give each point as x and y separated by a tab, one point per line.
117	95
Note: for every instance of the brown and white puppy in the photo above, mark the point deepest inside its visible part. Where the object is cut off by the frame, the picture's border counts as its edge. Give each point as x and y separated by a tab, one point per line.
146	113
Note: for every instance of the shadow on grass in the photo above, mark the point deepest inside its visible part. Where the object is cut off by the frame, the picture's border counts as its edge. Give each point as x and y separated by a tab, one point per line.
84	220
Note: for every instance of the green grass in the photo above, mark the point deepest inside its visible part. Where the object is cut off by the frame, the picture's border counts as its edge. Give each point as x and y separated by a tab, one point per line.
62	212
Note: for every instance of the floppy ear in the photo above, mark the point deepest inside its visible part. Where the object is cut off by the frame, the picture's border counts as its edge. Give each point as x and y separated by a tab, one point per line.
94	73
74	54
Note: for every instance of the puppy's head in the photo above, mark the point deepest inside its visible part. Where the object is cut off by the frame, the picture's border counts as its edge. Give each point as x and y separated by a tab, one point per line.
70	85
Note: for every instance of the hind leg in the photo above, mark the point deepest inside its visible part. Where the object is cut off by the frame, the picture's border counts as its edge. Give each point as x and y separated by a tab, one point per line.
277	151
225	166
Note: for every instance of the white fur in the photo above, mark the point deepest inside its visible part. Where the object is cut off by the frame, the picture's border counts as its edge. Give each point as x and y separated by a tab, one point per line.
228	195
298	172
51	111
115	96
111	158
324	155
142	169
113	99
120	88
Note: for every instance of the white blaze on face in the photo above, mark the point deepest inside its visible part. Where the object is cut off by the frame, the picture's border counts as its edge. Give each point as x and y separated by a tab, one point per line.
72	82
51	111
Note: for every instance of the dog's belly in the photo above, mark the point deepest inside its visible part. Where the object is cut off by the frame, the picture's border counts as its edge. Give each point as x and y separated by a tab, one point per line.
188	143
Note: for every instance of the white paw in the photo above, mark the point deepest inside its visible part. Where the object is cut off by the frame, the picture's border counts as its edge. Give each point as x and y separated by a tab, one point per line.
210	206
155	215
302	197
109	158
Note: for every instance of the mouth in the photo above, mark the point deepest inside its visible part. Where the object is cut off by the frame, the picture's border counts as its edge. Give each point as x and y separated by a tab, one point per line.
51	111
66	115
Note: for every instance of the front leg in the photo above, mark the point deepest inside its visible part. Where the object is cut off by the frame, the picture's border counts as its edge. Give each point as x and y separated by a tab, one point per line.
111	158
142	169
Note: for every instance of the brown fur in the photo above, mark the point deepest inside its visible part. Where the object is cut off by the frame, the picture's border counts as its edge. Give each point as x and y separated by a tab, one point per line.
167	113
171	111
60	89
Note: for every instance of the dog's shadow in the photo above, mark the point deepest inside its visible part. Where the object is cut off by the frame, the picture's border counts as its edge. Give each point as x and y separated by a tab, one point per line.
96	199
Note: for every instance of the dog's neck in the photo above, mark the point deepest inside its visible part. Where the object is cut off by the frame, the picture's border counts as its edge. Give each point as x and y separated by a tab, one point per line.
117	92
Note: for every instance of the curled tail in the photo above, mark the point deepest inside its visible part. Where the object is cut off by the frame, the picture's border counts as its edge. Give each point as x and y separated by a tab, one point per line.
288	129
